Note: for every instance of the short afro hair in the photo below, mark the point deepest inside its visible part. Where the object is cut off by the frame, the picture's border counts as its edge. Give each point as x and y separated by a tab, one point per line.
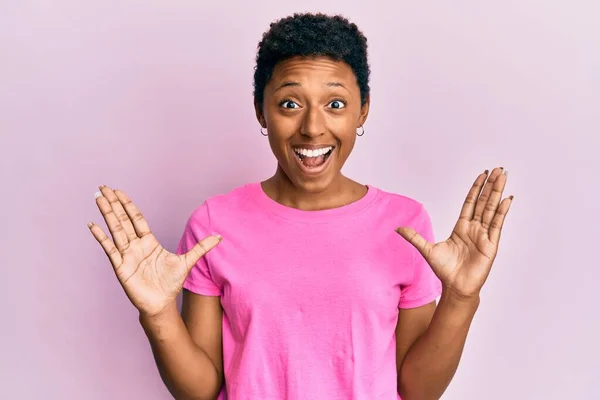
312	35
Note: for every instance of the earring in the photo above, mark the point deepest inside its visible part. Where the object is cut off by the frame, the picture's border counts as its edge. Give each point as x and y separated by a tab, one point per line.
362	132
263	133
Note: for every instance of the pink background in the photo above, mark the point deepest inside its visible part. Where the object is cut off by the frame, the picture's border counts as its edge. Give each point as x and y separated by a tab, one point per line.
155	98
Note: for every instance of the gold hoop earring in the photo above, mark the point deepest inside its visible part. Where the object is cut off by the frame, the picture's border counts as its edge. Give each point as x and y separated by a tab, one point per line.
362	132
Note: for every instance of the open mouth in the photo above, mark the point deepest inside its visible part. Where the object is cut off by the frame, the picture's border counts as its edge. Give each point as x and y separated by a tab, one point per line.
312	159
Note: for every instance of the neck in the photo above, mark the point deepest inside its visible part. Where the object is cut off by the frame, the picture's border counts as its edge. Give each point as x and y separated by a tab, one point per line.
341	191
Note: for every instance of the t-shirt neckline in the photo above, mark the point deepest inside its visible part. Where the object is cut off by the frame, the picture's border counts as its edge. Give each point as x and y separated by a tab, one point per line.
270	205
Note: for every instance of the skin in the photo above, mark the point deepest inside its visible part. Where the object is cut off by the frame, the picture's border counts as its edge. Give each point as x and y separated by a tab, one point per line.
308	101
187	357
312	101
463	263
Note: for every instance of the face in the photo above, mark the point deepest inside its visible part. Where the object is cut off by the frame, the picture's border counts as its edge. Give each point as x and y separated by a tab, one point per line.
311	110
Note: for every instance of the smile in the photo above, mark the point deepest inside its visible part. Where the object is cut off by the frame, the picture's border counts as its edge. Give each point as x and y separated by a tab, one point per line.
314	160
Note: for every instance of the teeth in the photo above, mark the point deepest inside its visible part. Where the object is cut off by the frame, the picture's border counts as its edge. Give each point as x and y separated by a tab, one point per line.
313	153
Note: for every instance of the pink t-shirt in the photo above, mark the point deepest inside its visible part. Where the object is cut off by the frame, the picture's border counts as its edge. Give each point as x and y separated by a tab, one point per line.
310	298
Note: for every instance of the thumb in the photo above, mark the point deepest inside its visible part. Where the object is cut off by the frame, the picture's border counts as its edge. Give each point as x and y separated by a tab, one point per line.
200	249
413	237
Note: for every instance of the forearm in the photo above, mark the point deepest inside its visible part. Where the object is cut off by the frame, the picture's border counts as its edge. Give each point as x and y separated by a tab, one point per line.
431	362
187	371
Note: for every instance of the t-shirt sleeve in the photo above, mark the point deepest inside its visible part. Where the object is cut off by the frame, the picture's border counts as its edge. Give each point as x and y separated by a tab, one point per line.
425	285
199	279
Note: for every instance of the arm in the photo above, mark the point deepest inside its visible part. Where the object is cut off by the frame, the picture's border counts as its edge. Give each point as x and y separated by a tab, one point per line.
430	343
189	360
188	350
462	263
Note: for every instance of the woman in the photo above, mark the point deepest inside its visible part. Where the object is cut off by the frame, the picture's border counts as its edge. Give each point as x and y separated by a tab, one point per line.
312	294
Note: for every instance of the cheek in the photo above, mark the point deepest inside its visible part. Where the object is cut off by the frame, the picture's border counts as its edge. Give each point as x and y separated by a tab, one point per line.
346	135
280	130
278	141
343	125
276	144
347	146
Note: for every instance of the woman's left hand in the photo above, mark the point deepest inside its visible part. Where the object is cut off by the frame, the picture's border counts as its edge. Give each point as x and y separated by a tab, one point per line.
463	261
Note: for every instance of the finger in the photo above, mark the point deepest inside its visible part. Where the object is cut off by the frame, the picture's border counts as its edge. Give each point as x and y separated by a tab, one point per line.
491	206
200	249
120	212
135	216
113	223
498	220
413	237
485	194
109	248
469	205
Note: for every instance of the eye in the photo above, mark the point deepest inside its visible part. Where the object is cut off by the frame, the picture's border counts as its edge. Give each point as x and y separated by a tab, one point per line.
289	104
337	104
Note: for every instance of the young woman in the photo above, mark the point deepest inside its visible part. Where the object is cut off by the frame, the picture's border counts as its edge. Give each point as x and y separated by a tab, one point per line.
322	288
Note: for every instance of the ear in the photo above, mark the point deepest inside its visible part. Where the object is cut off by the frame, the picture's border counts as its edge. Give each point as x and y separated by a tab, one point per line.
364	112
259	114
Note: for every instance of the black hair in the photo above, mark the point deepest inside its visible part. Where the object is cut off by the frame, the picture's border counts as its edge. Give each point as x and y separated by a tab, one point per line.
312	35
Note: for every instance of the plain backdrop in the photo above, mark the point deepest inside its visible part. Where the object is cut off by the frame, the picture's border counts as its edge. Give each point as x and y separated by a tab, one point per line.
155	98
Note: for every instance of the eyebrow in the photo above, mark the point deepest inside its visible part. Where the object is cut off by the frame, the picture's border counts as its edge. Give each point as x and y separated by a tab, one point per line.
296	84
287	84
336	84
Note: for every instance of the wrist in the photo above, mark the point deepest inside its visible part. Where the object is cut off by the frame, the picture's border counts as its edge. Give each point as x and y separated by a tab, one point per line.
457	301
160	318
453	296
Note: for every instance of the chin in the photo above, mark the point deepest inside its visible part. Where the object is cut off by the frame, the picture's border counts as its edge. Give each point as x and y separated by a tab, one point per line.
314	186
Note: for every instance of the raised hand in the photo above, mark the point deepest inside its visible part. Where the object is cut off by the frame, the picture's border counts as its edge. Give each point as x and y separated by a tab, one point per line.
151	276
463	261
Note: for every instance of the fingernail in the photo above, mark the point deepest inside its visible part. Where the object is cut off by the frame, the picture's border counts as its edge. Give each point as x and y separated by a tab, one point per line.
511	197
486	172
97	195
219	237
90	224
101	187
505	172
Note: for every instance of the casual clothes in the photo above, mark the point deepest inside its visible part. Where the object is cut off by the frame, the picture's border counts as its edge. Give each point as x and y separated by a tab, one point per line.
310	298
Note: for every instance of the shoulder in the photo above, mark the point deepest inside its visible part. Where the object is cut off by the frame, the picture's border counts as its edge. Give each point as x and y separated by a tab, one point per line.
403	210
233	201
407	206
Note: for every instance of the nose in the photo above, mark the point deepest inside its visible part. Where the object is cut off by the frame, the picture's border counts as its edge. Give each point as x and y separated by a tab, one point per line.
313	123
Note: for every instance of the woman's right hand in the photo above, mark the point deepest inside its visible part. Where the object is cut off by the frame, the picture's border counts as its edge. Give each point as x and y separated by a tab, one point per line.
151	276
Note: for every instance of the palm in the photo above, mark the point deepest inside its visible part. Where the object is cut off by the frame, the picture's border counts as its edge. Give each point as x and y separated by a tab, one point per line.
151	276
463	261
